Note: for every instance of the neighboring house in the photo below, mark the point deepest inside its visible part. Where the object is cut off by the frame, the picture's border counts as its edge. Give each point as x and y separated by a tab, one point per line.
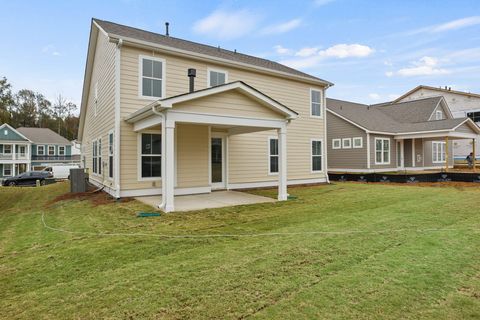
161	115
413	135
48	148
462	104
14	152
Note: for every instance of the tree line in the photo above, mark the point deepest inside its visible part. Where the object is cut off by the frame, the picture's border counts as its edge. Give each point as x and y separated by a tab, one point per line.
27	108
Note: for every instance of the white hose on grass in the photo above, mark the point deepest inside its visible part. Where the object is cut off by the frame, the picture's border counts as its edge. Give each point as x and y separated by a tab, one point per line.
243	235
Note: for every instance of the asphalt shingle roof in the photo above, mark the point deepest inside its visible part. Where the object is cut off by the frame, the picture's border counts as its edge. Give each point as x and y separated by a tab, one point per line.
42	135
214	52
393	117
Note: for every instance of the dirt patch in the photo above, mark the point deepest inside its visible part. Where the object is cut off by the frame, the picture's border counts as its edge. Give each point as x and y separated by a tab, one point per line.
96	198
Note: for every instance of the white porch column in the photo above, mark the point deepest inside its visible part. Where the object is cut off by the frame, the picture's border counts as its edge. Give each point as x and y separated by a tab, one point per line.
169	174
413	152
282	164
14	154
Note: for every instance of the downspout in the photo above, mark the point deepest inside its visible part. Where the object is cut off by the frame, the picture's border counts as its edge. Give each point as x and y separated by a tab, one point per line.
163	159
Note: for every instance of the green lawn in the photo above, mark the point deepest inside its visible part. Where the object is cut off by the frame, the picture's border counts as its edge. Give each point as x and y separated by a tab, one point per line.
410	272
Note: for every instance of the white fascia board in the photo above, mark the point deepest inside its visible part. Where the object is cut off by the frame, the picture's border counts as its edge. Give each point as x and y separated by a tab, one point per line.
189	54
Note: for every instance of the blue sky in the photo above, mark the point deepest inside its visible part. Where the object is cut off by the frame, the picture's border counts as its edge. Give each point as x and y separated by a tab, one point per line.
372	50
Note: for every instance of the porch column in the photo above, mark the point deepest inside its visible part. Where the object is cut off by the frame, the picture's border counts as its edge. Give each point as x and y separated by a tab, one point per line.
413	152
282	164
474	154
14	153
446	154
169	174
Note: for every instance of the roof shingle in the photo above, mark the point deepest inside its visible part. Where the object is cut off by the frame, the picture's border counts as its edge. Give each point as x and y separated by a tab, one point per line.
42	135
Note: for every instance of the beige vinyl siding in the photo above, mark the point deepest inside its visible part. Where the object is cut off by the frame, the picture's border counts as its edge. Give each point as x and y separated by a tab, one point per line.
465	128
247	152
393	153
230	103
98	126
192	155
353	158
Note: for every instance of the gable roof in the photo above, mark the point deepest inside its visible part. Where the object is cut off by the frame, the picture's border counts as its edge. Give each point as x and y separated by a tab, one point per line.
12	134
42	135
236	85
381	118
441	90
116	30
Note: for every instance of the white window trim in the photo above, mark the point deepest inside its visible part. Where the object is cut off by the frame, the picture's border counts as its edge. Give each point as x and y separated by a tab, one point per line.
11	169
361	142
140	76
38	150
389	151
321	104
60	148
269	155
139	157
216	70
439	143
437	113
11	148
48	150
311	156
349	143
111	153
339	143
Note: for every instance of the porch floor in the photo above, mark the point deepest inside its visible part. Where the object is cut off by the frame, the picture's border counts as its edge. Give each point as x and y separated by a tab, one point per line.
216	199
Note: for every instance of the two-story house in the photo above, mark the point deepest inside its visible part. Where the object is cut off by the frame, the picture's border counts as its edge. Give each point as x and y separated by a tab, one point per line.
411	135
162	115
24	149
462	104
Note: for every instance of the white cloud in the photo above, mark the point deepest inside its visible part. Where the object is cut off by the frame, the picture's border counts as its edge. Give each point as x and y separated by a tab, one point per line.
281	50
306	52
342	51
309	57
320	3
426	66
374	96
281	27
50	49
448	26
223	24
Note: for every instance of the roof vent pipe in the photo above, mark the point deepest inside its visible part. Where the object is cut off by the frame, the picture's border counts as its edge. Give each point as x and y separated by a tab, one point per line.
166	29
192	73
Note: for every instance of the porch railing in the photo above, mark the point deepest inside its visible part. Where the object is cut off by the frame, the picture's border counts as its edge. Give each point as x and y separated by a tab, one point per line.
52	158
10	156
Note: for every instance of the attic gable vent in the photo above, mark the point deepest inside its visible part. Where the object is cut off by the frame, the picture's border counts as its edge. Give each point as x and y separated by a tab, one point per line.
5	132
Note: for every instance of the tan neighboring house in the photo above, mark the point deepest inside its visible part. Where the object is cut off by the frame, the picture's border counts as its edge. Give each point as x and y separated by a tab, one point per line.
412	135
166	116
462	104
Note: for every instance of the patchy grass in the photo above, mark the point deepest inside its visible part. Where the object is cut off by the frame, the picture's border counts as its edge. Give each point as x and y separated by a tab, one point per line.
407	271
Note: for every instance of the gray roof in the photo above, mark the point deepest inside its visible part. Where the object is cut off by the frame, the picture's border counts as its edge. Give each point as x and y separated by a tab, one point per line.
42	135
214	52
393	118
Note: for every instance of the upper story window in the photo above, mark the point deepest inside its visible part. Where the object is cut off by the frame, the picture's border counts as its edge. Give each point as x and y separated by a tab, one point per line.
217	77
152	77
7	148
475	116
316	103
51	150
438	115
41	150
61	150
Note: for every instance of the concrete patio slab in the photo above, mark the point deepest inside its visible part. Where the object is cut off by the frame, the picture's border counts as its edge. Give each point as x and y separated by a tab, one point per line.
216	199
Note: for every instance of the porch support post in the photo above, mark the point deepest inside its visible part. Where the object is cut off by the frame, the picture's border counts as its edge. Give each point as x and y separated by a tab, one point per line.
474	154
169	174
446	154
413	152
282	164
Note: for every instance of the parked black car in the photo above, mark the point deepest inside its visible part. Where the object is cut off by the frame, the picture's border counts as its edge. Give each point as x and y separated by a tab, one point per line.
27	179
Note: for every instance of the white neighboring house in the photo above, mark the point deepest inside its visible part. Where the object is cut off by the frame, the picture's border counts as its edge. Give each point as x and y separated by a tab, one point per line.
462	104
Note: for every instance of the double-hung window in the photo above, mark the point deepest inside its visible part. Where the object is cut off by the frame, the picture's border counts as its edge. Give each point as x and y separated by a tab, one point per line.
216	78
316	103
61	150
99	155
94	156
382	151
7	170
41	150
474	115
151	155
7	148
438	152
110	155
317	155
152	74
273	155
51	150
